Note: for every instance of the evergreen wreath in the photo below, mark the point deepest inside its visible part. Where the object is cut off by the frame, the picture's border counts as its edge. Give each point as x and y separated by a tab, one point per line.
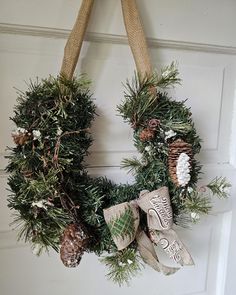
58	205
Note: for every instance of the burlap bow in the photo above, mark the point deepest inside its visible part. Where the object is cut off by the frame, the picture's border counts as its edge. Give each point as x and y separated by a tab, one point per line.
123	222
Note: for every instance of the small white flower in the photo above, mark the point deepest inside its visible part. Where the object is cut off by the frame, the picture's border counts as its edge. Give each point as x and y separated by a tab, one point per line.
21	130
59	131
36	134
129	261
169	134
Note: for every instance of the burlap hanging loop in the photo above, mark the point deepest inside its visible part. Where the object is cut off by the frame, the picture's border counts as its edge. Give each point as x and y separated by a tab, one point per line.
136	37
75	40
135	33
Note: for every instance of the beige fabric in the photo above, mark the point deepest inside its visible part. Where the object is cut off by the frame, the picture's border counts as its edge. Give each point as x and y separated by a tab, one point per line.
157	205
173	246
149	256
136	37
135	33
75	40
113	213
158	208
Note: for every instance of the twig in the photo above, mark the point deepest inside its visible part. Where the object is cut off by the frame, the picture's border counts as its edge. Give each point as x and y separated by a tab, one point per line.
57	146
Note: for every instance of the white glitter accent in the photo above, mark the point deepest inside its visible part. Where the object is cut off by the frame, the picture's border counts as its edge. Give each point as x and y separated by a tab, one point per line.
224	189
19	131
148	149
40	204
36	249
59	131
190	189
169	134
183	169
195	216
129	261
166	73
36	134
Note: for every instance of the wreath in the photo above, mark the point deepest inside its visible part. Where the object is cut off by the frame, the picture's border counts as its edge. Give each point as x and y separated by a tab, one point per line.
60	206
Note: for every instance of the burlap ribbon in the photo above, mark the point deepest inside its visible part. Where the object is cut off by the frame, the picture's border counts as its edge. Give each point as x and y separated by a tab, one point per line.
75	39
135	34
123	222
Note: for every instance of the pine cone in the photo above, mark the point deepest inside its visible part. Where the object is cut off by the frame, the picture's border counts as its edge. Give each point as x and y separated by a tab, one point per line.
146	134
20	138
179	162
153	124
74	242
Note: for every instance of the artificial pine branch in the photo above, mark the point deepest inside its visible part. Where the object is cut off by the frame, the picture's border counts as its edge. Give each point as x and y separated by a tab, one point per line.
198	203
139	100
123	265
220	187
168	77
133	165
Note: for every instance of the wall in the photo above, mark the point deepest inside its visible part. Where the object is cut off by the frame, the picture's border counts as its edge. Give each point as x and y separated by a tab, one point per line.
199	35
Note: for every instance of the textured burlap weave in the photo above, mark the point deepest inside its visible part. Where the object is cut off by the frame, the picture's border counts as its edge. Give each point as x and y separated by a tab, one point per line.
135	33
136	37
75	40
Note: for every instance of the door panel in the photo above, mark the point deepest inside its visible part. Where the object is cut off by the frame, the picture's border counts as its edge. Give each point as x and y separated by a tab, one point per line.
208	72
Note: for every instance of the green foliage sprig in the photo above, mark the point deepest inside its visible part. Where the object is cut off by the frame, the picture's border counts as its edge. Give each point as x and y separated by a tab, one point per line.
123	265
219	187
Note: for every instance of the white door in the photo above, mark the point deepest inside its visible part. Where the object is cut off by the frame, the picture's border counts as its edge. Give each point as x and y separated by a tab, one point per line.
200	35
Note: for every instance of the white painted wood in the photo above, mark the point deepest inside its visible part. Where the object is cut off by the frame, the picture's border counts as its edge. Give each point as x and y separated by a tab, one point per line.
197	34
47	274
208	79
202	21
30	30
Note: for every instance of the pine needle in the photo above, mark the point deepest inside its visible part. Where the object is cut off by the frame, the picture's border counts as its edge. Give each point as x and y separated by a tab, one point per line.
123	265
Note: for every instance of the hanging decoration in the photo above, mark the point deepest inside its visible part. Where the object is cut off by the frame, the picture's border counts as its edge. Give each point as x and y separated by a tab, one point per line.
60	206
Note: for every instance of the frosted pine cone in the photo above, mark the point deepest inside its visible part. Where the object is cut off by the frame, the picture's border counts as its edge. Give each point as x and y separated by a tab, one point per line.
74	242
20	139
179	162
146	134
153	124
